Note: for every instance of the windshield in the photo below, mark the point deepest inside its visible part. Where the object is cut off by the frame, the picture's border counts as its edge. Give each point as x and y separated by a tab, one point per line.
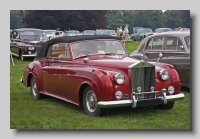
147	30
187	42
103	32
32	35
97	47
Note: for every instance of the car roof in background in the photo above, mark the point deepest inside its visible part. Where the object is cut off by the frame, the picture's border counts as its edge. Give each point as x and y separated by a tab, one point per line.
24	29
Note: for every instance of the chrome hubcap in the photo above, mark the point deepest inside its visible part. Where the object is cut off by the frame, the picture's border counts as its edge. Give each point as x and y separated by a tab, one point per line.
34	89
91	101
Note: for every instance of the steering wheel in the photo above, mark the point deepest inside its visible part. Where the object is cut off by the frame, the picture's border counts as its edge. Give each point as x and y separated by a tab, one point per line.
82	52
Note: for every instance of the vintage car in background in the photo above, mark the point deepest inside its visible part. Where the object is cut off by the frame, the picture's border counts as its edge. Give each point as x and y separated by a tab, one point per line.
175	48
25	40
142	33
88	32
159	30
95	72
182	29
112	32
56	34
134	31
103	32
48	33
72	33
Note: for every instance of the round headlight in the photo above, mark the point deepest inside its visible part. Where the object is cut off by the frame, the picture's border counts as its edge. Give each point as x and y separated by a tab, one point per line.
118	95
31	48
119	78
164	74
171	90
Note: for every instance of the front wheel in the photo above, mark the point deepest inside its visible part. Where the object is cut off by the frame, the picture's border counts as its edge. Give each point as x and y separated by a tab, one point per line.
34	91
90	102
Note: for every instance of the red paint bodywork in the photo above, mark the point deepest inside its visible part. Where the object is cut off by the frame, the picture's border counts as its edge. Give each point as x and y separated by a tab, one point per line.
66	79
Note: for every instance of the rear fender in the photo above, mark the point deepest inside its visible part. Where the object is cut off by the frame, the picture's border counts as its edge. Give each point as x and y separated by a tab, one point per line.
35	70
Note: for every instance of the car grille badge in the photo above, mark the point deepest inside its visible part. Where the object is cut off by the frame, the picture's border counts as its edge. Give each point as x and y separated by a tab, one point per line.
152	88
139	89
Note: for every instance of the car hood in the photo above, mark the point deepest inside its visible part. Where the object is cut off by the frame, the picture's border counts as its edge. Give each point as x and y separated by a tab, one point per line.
113	62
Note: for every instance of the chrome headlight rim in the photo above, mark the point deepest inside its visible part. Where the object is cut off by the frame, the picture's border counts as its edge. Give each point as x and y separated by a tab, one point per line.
162	74
117	79
31	48
118	95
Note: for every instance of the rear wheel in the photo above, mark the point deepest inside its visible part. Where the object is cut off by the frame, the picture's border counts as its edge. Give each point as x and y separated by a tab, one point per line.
90	102
34	91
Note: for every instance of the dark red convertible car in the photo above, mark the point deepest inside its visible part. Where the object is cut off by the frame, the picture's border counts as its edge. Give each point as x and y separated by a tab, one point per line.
95	72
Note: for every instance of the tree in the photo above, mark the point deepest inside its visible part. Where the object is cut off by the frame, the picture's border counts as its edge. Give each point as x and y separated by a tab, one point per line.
185	16
16	19
149	19
66	19
114	19
172	19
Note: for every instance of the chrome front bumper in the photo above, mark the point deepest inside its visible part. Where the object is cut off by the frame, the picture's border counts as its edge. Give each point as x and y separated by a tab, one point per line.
27	55
143	102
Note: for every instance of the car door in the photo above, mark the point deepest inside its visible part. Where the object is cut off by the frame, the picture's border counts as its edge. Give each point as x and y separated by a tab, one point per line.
175	53
55	70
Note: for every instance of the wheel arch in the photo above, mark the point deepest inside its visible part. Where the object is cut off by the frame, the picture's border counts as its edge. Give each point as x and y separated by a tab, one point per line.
36	73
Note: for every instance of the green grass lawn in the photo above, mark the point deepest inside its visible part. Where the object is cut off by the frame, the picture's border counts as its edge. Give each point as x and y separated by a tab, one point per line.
52	113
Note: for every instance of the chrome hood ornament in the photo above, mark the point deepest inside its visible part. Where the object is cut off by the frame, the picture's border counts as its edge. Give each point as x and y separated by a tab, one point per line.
160	56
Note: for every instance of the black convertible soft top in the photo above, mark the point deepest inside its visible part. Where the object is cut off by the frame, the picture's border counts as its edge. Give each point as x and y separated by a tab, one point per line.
68	39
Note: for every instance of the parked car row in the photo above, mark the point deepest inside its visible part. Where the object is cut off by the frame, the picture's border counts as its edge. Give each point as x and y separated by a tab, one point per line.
139	33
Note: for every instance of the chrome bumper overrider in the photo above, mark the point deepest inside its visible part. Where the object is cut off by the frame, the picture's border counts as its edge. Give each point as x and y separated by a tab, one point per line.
144	102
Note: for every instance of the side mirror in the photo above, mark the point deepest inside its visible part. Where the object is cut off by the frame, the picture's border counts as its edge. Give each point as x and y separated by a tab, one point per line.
85	60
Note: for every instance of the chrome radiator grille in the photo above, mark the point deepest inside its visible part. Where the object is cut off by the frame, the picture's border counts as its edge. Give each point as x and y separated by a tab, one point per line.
143	78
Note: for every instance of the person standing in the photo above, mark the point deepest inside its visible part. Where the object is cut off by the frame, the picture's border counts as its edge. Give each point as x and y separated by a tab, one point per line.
126	31
121	32
117	32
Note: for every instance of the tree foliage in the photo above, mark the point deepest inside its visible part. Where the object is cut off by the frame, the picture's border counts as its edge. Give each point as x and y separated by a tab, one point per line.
16	19
66	19
185	16
96	19
173	20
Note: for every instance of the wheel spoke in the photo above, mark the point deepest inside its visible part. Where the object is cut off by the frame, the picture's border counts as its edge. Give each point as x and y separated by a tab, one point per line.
91	101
